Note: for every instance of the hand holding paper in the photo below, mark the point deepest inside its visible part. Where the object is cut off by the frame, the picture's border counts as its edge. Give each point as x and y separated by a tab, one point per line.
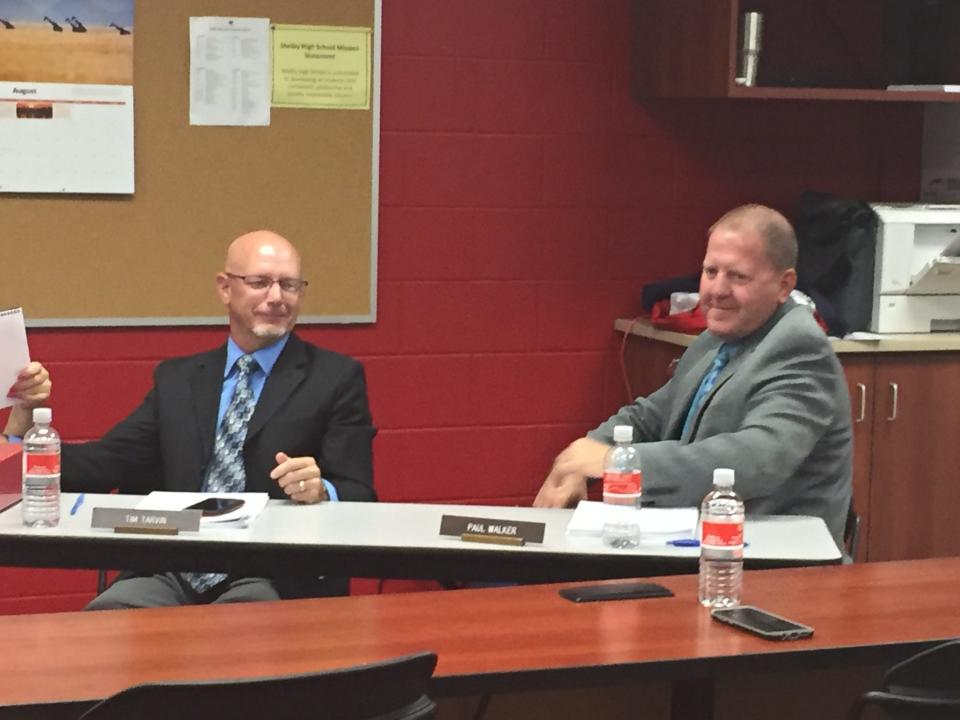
32	385
14	355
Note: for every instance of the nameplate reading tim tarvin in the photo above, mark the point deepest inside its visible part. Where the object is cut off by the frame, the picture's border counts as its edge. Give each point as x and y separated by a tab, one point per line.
508	530
159	522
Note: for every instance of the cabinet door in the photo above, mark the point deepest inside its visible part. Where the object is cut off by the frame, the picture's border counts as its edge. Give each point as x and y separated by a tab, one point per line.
859	370
915	489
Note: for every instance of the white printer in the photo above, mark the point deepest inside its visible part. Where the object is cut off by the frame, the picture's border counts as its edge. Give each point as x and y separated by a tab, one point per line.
917	270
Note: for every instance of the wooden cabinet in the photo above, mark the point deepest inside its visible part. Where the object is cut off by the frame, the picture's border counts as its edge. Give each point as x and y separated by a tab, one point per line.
906	433
915	451
835	50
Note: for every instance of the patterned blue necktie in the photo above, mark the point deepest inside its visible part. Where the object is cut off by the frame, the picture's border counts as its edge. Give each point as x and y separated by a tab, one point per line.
226	471
706	385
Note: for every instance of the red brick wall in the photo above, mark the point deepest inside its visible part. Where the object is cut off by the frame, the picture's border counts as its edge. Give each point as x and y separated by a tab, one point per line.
525	198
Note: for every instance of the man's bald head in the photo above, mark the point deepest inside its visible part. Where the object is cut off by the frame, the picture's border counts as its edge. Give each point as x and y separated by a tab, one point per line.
265	243
251	286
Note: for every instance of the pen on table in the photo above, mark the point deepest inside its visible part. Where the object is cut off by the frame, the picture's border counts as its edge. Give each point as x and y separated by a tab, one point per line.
688	542
77	503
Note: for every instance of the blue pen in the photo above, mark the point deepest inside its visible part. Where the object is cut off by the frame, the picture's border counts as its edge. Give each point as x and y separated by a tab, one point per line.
688	542
77	503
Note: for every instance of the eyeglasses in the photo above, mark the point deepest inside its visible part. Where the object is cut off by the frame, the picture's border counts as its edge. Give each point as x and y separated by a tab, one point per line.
262	282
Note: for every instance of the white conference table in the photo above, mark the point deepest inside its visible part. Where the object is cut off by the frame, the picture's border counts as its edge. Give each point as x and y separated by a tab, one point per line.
386	540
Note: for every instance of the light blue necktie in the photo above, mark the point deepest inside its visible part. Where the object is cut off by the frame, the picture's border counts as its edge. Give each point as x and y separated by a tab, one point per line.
226	471
706	385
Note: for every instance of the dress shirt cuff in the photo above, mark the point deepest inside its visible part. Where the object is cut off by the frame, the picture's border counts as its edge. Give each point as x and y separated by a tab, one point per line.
331	491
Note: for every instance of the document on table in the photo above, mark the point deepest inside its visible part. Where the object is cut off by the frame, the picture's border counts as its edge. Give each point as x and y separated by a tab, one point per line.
655	523
253	503
14	354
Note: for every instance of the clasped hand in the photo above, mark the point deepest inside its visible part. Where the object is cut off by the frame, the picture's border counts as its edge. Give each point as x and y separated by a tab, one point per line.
299	477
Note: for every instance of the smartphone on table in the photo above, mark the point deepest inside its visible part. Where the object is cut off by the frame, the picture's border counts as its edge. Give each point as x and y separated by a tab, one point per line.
211	507
762	623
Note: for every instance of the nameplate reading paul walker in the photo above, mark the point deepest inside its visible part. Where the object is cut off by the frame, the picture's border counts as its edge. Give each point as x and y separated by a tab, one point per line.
159	522
509	530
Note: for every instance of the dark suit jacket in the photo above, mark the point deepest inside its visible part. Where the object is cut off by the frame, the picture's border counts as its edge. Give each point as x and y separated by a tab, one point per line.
313	403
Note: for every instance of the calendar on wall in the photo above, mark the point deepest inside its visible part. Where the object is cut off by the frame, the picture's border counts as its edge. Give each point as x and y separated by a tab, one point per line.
66	96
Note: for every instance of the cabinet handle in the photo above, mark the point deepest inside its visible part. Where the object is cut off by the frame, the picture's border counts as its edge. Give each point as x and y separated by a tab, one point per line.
863	402
894	396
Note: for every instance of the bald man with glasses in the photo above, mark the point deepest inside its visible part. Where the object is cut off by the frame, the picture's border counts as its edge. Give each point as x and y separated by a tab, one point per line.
266	412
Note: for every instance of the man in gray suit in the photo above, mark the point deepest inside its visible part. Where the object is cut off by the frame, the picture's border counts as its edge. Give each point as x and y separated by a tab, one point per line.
778	412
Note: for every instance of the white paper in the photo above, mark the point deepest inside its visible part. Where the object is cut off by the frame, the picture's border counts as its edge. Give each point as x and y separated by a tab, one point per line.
863	336
253	503
84	143
925	88
14	354
229	71
590	517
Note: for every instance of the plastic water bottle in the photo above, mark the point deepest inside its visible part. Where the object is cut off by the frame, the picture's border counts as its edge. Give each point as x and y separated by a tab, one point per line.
622	478
41	472
622	485
721	543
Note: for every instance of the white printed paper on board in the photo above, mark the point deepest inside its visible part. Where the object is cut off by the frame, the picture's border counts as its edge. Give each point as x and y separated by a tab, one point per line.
229	71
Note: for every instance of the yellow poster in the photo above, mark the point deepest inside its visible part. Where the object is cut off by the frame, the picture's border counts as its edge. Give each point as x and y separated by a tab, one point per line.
316	66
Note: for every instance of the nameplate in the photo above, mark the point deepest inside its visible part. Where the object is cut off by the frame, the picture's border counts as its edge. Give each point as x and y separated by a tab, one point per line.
490	529
159	522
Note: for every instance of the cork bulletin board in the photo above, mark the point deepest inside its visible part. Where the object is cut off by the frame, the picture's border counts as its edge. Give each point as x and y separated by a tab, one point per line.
150	258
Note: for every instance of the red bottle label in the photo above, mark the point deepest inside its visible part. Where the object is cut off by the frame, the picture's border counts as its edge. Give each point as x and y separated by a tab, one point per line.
628	483
721	534
41	464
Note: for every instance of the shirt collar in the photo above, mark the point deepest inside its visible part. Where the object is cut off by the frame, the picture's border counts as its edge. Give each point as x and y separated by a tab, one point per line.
266	357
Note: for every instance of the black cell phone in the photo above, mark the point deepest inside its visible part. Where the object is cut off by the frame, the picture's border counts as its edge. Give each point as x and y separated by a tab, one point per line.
211	507
762	623
614	591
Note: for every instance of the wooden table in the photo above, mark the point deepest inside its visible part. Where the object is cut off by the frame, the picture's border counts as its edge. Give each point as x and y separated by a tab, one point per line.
493	640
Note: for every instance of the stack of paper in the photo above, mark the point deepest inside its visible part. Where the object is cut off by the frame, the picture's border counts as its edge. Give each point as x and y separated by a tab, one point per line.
661	523
253	503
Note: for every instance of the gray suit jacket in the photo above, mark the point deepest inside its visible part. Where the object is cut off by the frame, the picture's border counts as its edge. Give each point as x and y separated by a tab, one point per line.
779	415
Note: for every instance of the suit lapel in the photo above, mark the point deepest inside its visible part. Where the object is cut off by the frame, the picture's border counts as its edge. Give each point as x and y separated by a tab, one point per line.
725	374
686	389
287	375
206	385
695	376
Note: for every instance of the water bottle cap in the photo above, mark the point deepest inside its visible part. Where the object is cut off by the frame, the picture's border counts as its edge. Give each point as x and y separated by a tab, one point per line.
723	477
42	415
623	434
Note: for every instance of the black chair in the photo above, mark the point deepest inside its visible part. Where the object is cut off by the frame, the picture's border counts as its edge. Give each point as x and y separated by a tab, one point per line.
389	690
925	686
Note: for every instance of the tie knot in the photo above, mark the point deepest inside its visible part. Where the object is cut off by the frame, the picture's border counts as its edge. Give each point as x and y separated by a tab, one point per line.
723	355
246	364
